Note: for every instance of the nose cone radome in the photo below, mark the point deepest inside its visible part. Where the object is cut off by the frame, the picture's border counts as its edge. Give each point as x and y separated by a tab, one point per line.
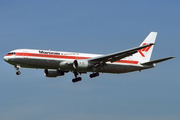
5	58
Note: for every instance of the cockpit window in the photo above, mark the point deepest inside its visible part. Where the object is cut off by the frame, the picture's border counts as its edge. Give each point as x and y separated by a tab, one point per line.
11	53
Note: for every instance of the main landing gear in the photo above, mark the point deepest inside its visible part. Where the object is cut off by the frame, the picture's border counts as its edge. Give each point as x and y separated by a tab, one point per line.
17	69
94	75
76	79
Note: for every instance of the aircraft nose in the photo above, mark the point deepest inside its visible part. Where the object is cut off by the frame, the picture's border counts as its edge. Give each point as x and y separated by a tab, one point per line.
5	58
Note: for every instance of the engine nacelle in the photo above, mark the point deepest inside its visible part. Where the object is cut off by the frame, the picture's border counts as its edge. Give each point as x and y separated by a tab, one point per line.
53	73
81	64
66	65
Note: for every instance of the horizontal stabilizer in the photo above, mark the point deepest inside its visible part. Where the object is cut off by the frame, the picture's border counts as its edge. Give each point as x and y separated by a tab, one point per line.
156	61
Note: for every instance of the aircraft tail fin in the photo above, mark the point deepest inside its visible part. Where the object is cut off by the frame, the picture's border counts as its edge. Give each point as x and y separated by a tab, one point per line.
144	55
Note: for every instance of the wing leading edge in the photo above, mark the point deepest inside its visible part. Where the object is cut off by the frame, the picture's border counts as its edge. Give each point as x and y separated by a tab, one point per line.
118	55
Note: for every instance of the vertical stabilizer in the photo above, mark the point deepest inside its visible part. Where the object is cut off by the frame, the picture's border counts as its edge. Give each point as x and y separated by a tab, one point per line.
144	55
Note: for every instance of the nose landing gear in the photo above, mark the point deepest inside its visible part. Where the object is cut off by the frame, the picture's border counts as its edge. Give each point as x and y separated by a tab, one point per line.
18	73
17	69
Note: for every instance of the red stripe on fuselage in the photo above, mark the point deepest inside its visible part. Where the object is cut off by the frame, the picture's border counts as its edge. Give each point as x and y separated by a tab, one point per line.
66	57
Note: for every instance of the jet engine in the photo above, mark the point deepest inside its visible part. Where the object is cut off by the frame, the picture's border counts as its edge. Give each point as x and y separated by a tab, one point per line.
66	65
53	73
81	64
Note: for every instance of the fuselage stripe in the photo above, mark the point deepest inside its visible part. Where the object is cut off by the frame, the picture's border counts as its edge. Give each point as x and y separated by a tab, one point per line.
26	55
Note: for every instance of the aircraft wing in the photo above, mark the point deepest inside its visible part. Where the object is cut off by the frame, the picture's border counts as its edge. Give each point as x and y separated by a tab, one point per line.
118	55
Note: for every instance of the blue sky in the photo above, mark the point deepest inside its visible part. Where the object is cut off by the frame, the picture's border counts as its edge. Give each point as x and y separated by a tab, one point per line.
90	26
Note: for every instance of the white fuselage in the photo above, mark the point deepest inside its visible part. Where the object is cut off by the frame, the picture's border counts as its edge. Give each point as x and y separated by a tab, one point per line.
57	63
46	59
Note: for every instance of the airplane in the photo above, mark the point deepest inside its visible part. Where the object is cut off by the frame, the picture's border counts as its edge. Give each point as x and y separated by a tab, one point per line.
57	63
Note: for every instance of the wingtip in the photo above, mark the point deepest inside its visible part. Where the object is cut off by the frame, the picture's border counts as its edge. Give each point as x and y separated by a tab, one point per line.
172	57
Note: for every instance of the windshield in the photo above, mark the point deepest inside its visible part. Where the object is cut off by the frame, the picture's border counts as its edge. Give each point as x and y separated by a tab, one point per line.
11	53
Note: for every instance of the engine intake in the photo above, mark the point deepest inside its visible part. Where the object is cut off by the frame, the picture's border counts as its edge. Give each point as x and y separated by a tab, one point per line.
53	73
81	64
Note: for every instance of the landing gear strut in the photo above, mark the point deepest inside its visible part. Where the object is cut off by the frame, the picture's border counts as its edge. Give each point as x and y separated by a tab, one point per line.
76	79
17	69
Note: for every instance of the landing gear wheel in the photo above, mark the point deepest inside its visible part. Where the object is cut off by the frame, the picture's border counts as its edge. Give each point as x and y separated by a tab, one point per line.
97	74
94	75
18	73
76	79
91	75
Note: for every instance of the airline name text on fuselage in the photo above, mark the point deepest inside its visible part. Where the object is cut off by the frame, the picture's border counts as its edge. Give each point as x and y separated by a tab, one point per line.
56	53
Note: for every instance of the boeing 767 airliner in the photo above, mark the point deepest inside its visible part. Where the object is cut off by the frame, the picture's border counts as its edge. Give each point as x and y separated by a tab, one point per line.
57	63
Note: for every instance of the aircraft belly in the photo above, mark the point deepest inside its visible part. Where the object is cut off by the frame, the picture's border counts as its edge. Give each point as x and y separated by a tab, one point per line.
54	64
37	63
